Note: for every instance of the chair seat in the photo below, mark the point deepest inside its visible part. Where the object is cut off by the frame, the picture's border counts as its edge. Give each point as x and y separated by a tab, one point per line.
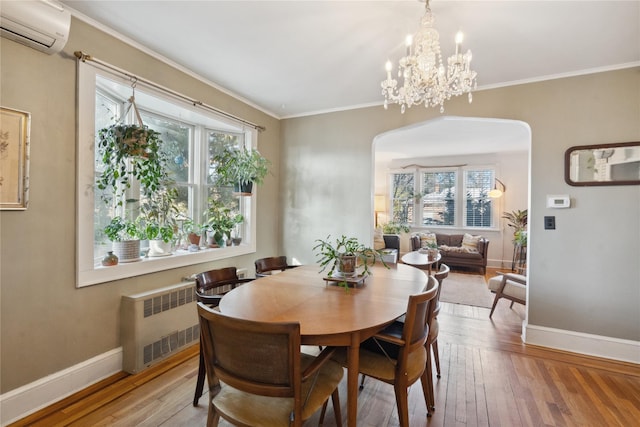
254	410
377	365
494	282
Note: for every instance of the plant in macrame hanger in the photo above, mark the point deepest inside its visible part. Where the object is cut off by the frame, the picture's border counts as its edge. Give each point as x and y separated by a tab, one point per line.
130	152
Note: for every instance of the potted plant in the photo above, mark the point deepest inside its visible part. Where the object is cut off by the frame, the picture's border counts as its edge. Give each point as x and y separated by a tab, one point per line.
130	152
222	219
345	256
194	231
518	220
125	235
159	213
241	167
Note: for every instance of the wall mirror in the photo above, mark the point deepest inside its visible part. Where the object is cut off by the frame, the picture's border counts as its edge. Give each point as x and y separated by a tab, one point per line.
604	164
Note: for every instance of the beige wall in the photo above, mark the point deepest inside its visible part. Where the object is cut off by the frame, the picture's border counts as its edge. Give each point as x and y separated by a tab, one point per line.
584	276
46	324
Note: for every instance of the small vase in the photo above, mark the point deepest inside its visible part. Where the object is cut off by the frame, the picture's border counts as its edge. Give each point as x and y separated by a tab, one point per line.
110	259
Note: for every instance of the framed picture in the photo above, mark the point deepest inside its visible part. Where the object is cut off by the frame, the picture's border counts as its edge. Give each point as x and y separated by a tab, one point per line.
14	159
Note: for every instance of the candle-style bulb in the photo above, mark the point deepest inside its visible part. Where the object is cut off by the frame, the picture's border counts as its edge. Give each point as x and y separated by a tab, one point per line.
459	38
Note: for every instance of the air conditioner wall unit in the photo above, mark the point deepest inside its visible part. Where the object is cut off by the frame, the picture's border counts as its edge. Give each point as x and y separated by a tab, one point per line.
43	24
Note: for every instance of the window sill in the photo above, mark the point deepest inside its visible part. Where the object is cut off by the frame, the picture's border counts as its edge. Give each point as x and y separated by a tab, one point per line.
180	258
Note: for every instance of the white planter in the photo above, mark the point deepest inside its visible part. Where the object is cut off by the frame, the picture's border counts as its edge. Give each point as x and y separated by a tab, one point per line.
159	248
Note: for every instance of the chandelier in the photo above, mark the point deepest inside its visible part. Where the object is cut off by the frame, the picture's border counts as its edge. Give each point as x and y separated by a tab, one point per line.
425	80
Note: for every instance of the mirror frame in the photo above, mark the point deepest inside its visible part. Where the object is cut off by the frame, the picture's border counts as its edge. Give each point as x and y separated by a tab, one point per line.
567	164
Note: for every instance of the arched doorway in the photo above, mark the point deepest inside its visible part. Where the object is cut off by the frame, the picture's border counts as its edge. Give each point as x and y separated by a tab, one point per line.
450	141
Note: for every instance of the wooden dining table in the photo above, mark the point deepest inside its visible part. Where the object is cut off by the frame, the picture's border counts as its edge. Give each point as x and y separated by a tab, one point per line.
329	315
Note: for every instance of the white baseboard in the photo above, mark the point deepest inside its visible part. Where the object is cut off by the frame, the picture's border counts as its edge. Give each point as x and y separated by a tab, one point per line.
25	400
578	342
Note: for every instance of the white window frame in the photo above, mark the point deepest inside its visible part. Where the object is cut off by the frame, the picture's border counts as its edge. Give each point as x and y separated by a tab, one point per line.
86	272
460	197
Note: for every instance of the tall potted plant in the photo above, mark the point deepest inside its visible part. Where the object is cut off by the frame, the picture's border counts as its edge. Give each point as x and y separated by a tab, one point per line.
518	221
241	167
159	217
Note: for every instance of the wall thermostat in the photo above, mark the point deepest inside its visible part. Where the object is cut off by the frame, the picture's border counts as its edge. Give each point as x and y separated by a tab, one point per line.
561	201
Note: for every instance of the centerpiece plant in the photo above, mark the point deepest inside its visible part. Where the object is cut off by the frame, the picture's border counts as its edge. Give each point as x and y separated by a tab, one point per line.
345	257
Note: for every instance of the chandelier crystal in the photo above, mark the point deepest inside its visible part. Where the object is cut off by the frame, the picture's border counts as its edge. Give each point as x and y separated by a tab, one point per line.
425	80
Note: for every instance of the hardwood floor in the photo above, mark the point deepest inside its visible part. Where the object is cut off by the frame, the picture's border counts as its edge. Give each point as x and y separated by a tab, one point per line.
489	378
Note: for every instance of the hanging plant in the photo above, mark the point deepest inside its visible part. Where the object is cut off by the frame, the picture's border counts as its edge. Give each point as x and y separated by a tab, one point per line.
239	166
130	152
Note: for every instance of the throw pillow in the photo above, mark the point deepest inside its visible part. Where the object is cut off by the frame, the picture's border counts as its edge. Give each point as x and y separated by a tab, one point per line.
428	240
470	243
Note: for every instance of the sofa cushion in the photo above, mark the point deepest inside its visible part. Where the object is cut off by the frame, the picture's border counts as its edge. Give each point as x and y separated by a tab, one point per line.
427	239
470	243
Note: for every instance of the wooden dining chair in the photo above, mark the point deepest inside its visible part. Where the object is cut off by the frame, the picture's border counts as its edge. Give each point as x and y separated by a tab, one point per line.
210	287
399	355
259	377
266	266
434	328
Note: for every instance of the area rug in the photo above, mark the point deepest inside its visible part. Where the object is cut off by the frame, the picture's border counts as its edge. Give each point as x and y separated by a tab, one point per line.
466	289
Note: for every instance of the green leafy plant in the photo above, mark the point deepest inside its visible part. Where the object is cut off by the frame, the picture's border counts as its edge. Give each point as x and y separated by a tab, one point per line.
241	166
120	229
129	152
395	228
159	215
330	252
222	219
518	220
520	238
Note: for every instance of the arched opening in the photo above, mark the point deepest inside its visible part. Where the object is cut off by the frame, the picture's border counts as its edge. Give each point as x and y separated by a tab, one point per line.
456	143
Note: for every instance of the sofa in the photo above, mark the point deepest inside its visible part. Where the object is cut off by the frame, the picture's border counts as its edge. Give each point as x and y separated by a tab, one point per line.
457	250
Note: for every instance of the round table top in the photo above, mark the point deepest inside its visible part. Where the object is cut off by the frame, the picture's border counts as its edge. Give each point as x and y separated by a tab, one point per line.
419	259
326	312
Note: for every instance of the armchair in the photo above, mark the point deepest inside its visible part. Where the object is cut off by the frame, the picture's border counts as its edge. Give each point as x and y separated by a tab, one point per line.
509	286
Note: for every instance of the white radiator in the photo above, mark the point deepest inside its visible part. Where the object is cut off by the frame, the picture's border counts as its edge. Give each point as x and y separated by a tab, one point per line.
157	324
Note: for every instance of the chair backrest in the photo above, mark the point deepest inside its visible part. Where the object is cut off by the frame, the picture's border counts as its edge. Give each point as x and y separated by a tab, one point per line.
417	321
440	275
212	284
264	266
255	357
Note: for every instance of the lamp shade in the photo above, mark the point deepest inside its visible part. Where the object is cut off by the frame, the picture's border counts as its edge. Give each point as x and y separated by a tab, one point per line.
496	192
379	203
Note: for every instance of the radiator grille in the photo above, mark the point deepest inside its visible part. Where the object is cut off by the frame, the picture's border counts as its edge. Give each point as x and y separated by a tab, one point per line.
158	323
168	301
169	344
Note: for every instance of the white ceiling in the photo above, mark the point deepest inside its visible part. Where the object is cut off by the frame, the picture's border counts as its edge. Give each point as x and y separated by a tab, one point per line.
296	58
292	58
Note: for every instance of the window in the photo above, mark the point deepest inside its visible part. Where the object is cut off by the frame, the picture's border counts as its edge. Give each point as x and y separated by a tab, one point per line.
446	197
191	137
